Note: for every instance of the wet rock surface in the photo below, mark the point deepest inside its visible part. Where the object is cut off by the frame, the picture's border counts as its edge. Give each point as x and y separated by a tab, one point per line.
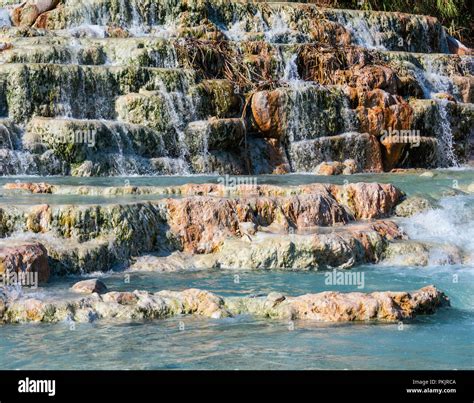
89	287
19	258
113	88
84	238
125	306
228	88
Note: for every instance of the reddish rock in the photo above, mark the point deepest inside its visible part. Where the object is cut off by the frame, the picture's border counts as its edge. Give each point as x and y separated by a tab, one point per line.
24	257
41	187
377	77
392	153
367	200
268	112
200	224
28	12
377	119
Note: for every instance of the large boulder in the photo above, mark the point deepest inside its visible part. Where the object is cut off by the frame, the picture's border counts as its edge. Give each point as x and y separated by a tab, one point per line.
19	258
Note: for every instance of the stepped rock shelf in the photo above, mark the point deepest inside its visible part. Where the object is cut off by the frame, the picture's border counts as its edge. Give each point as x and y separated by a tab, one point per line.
108	87
204	227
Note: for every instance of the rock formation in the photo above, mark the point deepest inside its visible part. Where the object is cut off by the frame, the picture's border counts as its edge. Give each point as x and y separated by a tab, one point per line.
137	305
98	89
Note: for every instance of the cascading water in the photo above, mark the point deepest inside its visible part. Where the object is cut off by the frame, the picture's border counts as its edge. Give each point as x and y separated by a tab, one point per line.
189	87
450	224
282	32
364	36
445	136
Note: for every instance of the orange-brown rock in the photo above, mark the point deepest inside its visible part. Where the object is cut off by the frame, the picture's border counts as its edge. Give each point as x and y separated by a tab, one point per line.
334	306
330	32
377	119
22	258
377	77
40	187
466	87
367	200
39	218
200	224
392	153
28	12
328	306
268	112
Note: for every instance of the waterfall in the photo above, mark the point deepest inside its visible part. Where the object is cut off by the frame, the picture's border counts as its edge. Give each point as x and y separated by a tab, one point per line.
279	31
5	18
445	136
364	35
436	82
290	73
120	161
180	109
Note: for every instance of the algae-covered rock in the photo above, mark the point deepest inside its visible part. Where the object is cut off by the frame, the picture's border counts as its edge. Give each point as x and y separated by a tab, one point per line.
215	134
363	149
414	205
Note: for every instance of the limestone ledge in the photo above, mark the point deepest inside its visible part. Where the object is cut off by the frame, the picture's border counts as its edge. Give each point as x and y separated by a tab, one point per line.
342	248
206	219
330	306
